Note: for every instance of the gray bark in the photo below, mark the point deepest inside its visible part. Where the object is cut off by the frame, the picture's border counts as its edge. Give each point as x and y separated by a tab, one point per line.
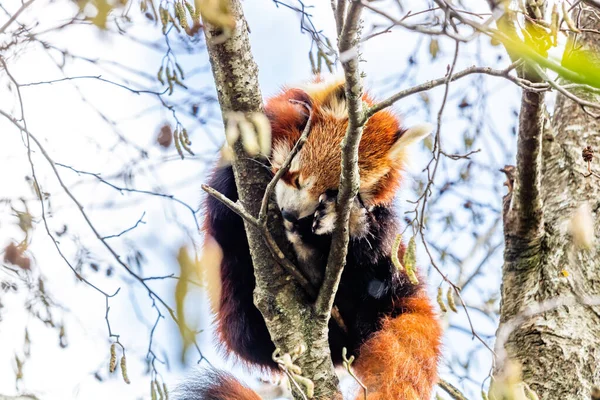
558	349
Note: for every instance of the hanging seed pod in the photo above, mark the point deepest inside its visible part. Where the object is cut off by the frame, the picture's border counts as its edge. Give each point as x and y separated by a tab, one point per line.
263	131
160	75
249	139
153	390
180	70
451	303
440	300
180	15
185	142
124	370
395	249
554	24
232	132
164	18
159	390
567	17
410	261
177	142
113	358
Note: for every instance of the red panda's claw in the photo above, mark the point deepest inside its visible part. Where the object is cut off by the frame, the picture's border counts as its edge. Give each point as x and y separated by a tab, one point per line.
325	216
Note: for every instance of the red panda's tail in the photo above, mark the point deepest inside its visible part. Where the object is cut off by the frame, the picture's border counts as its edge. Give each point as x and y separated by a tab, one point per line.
214	385
400	360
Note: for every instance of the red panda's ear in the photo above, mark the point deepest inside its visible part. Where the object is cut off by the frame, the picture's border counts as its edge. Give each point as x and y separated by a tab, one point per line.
407	139
335	101
286	110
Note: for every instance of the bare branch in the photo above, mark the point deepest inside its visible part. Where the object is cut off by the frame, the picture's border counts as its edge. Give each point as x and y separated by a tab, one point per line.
451	390
114	254
340	14
593	3
349	178
525	216
16	15
124	189
139	221
442	81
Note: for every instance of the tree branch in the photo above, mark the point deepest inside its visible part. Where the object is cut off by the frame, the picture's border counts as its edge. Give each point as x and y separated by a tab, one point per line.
504	73
451	390
349	178
525	218
16	15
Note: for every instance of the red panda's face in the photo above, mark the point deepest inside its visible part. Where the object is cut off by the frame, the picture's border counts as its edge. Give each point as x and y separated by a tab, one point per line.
317	167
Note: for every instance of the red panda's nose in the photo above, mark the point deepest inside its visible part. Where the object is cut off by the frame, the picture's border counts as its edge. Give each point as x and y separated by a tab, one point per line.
290	216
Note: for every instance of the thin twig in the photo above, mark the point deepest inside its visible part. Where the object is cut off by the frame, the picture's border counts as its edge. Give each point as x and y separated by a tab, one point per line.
139	221
349	177
451	390
262	216
504	73
124	189
16	15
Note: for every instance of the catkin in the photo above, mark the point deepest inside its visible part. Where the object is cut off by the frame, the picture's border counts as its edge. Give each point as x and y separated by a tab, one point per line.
124	370
153	390
440	300
410	261
113	358
395	249
451	302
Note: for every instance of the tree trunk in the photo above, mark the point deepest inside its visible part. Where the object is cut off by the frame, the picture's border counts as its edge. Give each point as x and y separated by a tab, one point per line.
288	312
549	326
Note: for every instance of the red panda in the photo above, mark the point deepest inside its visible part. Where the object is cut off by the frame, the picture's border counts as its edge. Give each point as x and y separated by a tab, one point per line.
392	328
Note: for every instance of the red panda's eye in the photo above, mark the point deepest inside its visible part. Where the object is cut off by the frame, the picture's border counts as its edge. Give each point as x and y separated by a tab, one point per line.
297	182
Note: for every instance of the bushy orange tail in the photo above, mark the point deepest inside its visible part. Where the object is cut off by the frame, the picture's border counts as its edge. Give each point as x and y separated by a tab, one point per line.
215	385
400	361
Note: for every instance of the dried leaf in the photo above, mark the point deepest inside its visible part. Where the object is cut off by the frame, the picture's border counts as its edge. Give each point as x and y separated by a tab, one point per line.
165	136
434	48
187	268
15	255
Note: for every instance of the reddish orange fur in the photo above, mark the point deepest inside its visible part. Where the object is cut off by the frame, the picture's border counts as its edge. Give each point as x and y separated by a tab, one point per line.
226	387
400	361
380	176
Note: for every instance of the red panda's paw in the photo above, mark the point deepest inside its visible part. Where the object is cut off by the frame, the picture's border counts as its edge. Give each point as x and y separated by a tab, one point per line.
325	216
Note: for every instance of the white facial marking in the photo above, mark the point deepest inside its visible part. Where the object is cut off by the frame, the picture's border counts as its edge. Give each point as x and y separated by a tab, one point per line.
297	201
280	152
